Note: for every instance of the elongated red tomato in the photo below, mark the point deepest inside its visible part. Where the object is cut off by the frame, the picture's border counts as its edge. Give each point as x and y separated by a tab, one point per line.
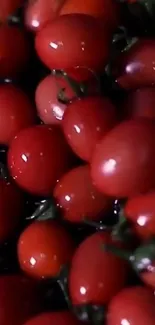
135	68
140	103
123	162
96	275
38	157
73	40
45	257
78	198
133	306
85	122
54	318
16	112
8	7
39	12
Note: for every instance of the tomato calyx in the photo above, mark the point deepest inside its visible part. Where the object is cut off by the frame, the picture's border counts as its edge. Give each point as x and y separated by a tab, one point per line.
93	314
46	210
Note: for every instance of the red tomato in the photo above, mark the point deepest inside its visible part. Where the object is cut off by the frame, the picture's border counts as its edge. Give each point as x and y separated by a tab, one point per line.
132	306
18	299
16	112
85	122
39	12
11	205
8	7
43	248
135	68
140	210
73	40
13	58
105	9
78	198
96	275
123	163
140	103
54	318
38	157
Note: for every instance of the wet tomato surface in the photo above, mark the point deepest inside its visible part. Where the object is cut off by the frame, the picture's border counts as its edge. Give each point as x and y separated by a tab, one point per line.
61	318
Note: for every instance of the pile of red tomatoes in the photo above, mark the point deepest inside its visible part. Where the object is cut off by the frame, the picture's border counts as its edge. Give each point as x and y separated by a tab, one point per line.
77	165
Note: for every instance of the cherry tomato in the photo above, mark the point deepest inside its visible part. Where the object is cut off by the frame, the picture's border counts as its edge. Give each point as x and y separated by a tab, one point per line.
105	9
38	157
78	198
43	248
8	7
96	275
39	12
16	112
123	163
140	103
54	318
13	58
136	67
18	298
11	206
132	306
85	122
73	40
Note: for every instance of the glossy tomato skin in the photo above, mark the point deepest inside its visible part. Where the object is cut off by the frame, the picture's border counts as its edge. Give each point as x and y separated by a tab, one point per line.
61	318
107	10
85	122
73	40
136	67
19	299
16	112
122	165
13	58
8	7
38	157
78	198
140	103
39	12
43	248
11	208
135	305
96	275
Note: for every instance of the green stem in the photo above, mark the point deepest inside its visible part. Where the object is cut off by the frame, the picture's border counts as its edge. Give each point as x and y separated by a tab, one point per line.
122	253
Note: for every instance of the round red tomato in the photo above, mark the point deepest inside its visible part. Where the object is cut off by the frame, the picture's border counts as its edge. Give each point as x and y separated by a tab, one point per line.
38	157
11	207
13	58
54	318
135	68
140	210
123	163
19	299
8	7
43	248
73	40
96	275
39	12
132	306
78	198
16	112
85	122
140	103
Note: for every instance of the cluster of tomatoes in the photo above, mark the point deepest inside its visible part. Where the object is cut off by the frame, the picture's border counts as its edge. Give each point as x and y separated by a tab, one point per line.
86	156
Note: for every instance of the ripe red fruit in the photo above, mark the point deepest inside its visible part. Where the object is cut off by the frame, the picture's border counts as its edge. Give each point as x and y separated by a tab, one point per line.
134	306
16	112
43	248
96	275
13	58
11	206
8	7
78	198
123	163
38	157
54	318
39	12
73	40
18	299
85	122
